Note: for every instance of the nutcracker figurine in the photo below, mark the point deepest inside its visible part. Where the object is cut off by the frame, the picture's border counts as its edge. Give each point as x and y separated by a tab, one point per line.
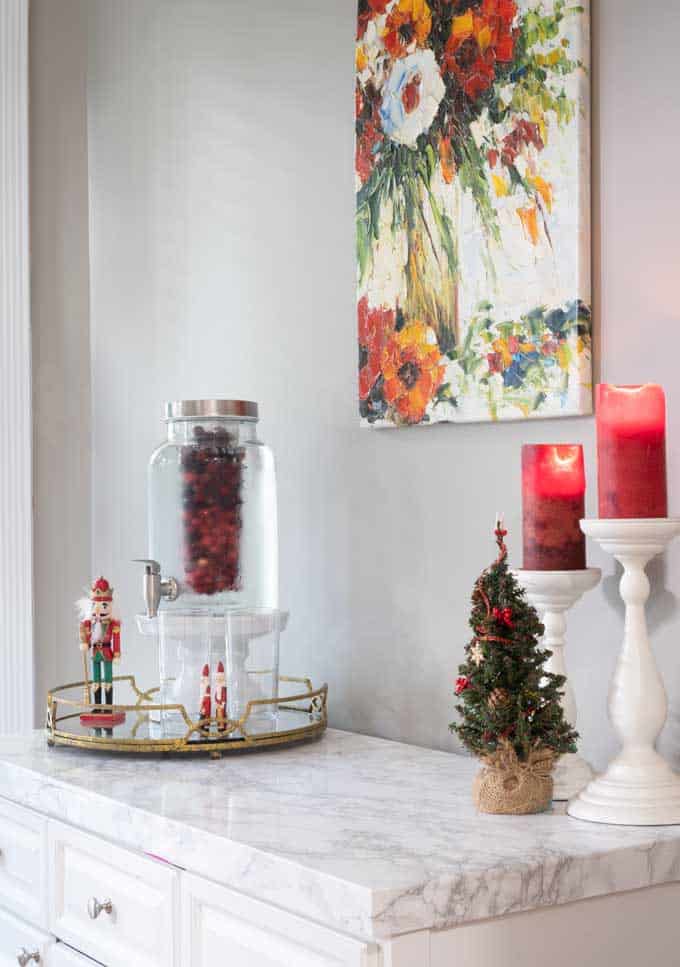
205	709
100	640
220	699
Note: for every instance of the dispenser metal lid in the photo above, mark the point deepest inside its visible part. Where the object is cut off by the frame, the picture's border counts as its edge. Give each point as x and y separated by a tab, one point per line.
211	409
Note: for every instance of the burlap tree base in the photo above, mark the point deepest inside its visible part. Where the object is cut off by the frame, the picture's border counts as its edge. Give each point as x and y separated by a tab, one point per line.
506	786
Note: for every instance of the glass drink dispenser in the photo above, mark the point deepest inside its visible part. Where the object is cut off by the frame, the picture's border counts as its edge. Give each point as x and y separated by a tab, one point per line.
213	549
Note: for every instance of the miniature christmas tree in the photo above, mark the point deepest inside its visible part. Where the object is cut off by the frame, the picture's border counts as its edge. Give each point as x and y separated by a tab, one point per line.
510	703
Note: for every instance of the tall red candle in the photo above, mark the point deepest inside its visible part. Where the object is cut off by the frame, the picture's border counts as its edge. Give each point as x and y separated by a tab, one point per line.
631	451
553	504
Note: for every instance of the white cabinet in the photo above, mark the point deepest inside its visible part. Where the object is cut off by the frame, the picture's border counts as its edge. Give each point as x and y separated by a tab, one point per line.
109	903
222	926
21	943
22	863
63	956
103	904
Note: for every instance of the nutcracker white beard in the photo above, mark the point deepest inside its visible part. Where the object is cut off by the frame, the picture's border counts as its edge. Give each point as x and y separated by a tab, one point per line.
84	609
97	632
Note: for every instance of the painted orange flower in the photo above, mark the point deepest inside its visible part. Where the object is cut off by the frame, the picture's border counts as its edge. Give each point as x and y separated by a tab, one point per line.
408	24
368	9
480	39
374	327
412	370
529	219
447	160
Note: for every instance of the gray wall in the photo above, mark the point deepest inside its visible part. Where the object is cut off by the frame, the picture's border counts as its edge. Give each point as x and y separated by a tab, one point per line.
222	263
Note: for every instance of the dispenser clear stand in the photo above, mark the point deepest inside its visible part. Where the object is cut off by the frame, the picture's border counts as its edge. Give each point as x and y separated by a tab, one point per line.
186	639
252	639
553	593
246	641
638	787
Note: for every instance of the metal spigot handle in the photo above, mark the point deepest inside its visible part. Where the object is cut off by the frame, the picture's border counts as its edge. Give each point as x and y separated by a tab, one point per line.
152	567
95	907
24	957
156	587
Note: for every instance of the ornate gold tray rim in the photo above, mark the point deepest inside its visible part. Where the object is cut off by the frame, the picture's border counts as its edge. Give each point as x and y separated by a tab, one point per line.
198	739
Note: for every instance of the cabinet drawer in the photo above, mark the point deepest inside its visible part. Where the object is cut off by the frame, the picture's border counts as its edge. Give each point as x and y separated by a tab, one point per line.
139	927
63	956
17	938
22	862
220	926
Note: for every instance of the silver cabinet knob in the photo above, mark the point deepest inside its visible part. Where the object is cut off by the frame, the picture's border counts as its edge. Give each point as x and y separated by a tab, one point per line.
94	907
24	957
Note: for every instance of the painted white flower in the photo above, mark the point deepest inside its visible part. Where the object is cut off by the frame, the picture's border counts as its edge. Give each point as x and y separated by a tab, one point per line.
481	128
411	97
455	375
372	56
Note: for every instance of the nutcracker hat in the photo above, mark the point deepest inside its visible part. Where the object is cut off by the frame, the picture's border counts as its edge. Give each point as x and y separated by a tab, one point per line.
101	590
220	669
206	672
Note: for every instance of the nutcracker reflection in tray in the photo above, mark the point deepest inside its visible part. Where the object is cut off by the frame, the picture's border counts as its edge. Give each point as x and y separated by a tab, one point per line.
220	699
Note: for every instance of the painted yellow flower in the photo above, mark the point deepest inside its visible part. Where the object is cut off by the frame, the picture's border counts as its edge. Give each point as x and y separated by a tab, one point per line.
408	25
543	188
412	370
564	357
500	186
502	347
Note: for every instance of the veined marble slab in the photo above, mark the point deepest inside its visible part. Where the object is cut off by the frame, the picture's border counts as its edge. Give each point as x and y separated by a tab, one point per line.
375	838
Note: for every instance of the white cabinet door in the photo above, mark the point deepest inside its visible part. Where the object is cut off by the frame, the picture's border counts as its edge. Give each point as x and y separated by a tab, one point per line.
220	926
23	861
21	943
138	927
63	956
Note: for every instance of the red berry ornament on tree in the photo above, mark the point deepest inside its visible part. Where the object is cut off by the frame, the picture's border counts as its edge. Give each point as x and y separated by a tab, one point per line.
503	616
462	682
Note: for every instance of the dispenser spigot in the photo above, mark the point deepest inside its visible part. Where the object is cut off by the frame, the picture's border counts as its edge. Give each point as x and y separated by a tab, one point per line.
156	587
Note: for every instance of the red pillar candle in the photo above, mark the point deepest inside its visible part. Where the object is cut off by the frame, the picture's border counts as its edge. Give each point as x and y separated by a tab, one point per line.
553	504
631	451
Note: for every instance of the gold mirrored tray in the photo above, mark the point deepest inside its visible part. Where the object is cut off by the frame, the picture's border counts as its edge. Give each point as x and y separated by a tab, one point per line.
298	716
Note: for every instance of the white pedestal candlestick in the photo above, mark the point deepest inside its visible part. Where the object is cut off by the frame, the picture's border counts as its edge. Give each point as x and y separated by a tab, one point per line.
553	593
638	788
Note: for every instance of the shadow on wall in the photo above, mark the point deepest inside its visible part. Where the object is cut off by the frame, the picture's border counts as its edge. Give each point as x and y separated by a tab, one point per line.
596	195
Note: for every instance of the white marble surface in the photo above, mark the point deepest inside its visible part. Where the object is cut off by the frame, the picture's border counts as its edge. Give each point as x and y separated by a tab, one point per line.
369	836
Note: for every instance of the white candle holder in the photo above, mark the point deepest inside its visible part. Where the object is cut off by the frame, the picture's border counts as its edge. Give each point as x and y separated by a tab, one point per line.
553	593
638	788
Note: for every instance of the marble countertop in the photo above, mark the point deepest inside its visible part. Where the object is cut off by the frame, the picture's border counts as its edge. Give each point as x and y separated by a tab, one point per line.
372	837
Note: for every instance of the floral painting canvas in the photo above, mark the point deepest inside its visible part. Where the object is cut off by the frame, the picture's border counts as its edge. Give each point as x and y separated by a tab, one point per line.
472	210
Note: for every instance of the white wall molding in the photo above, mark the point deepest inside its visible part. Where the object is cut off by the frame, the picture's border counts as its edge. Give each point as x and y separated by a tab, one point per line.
16	551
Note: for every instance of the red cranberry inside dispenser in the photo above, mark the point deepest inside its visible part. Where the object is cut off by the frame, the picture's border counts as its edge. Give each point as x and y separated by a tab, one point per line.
212	478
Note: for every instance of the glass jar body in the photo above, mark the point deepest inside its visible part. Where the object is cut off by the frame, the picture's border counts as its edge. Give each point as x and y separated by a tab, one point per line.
213	515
